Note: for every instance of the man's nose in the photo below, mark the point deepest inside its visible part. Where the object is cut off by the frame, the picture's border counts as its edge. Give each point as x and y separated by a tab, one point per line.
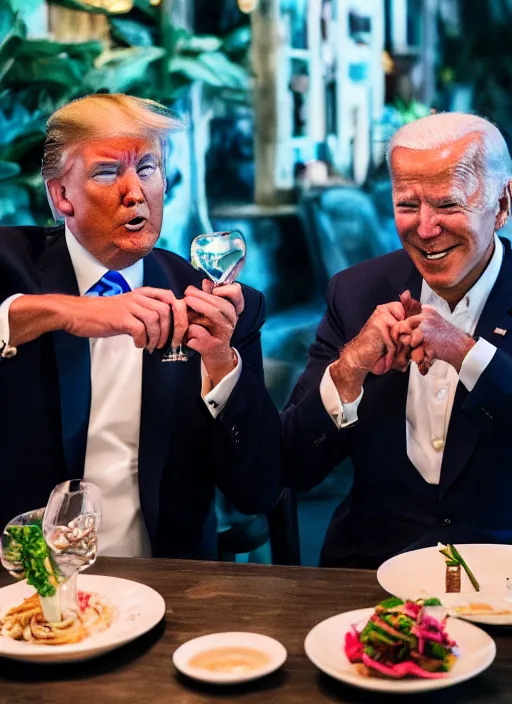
131	190
428	225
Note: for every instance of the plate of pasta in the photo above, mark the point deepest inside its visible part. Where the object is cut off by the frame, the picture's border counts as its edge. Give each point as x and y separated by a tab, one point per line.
112	612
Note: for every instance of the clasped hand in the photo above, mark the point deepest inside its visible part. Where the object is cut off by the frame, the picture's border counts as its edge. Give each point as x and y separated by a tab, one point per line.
403	331
204	320
428	336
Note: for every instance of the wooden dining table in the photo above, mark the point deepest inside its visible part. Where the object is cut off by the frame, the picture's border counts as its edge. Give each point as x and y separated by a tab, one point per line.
207	597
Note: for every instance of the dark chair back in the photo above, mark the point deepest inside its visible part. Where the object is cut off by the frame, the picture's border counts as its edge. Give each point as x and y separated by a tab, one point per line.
249	533
283	527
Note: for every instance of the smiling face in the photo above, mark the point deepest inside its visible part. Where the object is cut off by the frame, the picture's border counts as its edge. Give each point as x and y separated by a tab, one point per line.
441	215
111	194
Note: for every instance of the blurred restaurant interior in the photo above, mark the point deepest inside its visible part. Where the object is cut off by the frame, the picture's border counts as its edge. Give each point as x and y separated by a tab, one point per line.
289	106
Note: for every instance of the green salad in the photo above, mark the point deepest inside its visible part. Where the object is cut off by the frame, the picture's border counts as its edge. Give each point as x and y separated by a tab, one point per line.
402	639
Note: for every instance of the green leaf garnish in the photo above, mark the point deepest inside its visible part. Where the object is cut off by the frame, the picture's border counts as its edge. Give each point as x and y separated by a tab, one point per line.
391	602
32	552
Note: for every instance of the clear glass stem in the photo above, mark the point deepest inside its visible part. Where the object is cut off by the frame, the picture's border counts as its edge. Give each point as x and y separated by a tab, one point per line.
69	594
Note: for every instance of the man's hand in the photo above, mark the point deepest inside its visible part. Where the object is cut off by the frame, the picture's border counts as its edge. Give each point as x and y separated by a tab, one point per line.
403	351
372	350
144	313
213	316
410	304
432	337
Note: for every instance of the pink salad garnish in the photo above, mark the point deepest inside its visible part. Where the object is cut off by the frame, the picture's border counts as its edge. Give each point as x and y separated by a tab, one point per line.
401	639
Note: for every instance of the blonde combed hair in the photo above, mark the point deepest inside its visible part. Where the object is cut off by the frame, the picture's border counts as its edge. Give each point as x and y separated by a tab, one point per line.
103	115
488	154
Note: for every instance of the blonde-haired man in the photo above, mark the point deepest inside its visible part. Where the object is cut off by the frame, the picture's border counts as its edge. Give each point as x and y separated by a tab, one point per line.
85	313
431	447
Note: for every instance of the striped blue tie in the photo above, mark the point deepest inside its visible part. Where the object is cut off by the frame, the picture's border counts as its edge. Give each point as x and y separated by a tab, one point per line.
111	284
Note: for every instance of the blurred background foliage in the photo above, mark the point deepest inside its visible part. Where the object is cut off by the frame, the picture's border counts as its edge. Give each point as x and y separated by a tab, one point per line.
142	54
475	62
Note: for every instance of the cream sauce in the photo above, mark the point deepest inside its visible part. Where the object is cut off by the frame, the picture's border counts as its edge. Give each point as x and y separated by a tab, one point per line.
232	659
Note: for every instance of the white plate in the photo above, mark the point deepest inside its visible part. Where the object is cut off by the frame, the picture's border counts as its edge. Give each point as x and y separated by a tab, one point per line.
325	647
421	573
138	609
270	646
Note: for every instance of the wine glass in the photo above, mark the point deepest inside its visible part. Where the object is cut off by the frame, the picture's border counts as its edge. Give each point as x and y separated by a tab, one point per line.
64	535
70	526
219	255
174	354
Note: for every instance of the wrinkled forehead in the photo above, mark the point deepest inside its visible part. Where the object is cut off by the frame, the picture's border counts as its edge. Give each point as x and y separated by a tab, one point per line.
458	165
124	149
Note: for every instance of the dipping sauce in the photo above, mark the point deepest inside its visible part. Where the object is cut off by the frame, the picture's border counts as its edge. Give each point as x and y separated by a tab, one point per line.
232	659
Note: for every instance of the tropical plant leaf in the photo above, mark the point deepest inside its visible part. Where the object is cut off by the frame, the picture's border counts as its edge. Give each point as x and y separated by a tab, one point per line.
237	41
18	123
25	5
98	7
15	151
133	33
214	69
120	69
10	46
45	48
188	43
33	181
7	19
53	63
145	7
233	76
194	70
47	74
8	169
15	207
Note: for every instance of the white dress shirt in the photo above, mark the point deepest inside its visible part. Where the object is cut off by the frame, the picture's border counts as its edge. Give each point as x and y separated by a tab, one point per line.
111	460
430	398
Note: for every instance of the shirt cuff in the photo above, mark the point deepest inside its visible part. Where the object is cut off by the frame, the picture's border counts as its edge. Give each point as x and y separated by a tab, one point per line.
4	318
475	363
216	398
342	414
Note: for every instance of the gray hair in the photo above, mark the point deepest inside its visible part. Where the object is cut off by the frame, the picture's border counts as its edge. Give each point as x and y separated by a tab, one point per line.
488	155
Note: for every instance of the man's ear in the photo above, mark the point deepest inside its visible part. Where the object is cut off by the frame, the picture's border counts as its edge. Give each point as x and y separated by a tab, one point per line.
504	207
58	195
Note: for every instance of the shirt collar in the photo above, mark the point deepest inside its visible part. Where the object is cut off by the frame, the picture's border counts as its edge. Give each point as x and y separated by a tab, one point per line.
475	299
89	270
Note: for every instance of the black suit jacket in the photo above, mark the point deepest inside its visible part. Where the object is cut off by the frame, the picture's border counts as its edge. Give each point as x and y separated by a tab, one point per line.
390	507
184	453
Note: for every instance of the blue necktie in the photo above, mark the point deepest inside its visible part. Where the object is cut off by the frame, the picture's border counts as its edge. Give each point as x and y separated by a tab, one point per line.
111	284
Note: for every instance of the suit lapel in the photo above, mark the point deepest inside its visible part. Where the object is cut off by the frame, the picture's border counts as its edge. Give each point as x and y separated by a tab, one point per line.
404	276
159	390
72	357
413	284
463	430
394	386
390	390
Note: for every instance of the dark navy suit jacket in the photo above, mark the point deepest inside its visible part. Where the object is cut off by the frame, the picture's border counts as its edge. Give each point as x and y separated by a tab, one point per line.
184	453
390	507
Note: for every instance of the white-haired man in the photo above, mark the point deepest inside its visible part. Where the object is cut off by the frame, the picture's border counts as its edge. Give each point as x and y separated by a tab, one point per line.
430	441
87	394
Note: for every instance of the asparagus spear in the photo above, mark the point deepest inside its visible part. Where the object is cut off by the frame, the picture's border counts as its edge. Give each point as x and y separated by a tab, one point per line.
455	558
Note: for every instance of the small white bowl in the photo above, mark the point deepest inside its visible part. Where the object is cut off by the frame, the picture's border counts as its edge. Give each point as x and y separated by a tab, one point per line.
272	648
